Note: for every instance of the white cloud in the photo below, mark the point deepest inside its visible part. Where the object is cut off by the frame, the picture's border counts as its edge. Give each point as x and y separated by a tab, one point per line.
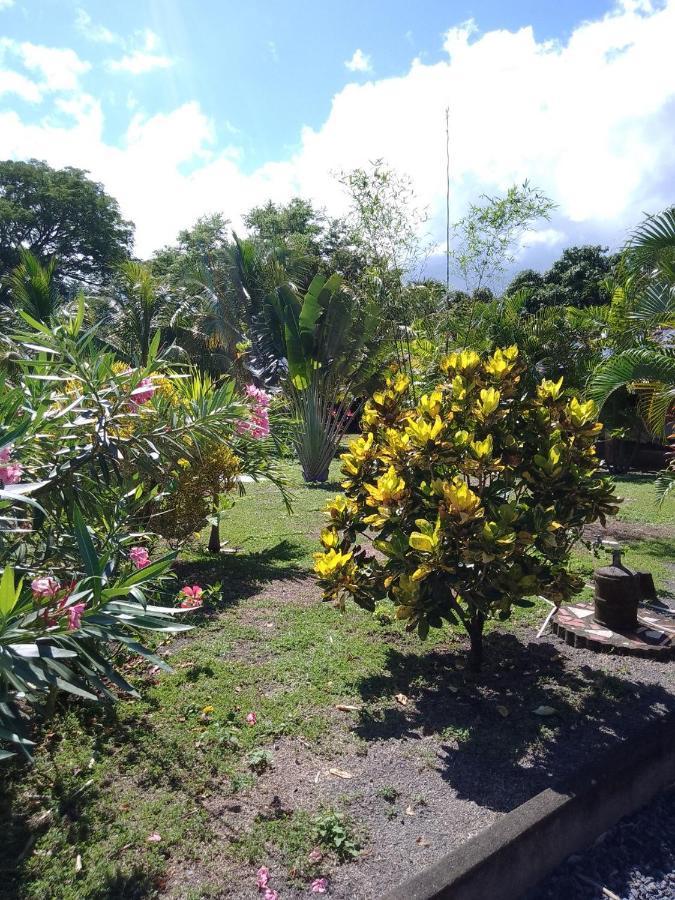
57	70
273	50
143	59
588	120
93	32
542	237
360	62
5	4
15	83
60	68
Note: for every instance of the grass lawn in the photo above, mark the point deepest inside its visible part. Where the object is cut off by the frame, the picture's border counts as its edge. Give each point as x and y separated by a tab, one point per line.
174	794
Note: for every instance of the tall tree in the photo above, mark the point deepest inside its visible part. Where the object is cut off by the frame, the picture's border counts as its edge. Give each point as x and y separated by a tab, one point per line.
60	213
579	278
295	223
486	238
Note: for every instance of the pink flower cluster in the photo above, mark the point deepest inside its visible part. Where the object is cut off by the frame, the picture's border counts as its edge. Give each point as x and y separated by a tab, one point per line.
263	882
191	597
46	587
142	392
140	557
258	426
11	472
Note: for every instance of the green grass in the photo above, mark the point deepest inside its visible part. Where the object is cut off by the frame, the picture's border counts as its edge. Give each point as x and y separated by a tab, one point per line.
104	780
649	551
639	501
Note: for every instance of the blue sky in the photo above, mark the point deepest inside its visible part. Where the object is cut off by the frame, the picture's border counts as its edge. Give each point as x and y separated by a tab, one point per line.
182	108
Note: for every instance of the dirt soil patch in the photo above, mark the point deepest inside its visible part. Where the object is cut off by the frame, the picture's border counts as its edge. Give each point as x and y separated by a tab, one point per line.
432	754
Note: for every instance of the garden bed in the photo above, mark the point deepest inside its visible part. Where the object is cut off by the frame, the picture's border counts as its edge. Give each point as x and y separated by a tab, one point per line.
175	795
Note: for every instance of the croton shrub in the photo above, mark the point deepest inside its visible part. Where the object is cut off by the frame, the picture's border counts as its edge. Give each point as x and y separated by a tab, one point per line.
473	496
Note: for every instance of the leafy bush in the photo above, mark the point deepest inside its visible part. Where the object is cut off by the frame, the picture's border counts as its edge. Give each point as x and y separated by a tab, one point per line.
330	351
475	495
87	451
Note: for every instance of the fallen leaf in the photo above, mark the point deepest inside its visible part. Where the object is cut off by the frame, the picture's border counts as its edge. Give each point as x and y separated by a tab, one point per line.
340	773
78	863
154	838
452	689
402	699
422	841
347	707
409	811
503	711
544	711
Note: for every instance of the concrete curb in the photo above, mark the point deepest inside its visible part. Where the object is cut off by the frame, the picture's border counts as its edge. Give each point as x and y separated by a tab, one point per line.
510	857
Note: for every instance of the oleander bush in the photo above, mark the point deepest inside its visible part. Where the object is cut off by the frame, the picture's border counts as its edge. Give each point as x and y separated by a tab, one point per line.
473	496
89	451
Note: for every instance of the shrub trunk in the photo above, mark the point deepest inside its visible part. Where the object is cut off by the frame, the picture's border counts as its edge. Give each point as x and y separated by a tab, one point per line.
475	629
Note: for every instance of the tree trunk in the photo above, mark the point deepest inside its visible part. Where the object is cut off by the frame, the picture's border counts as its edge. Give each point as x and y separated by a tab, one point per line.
214	537
318	478
475	630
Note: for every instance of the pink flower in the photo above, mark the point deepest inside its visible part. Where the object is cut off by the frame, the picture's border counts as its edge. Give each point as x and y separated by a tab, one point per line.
270	894
192	597
5	453
258	426
258	395
11	473
315	856
319	886
251	719
263	877
140	557
45	586
75	615
142	392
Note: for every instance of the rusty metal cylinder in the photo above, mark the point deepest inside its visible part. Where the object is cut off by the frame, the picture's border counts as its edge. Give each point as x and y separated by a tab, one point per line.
617	594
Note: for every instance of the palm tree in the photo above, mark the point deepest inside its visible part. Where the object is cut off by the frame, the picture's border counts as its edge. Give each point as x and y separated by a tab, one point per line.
33	288
136	309
642	324
326	342
642	331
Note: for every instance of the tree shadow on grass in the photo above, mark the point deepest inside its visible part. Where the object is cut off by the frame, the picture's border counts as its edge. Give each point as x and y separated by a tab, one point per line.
242	575
70	800
491	746
333	486
133	885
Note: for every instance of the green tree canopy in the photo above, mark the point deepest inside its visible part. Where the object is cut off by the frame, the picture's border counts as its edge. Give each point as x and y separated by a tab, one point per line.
297	221
579	278
60	213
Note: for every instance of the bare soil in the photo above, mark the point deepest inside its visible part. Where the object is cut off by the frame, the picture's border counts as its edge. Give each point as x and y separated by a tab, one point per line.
428	771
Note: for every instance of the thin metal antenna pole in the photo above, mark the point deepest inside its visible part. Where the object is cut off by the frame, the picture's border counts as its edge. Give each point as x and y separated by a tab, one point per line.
447	218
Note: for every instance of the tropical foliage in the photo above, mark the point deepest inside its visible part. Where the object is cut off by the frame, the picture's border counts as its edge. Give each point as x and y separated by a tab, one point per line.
88	448
329	350
473	496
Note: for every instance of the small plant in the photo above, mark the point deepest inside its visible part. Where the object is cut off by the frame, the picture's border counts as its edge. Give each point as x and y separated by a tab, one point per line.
259	761
334	833
389	793
241	782
384	612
